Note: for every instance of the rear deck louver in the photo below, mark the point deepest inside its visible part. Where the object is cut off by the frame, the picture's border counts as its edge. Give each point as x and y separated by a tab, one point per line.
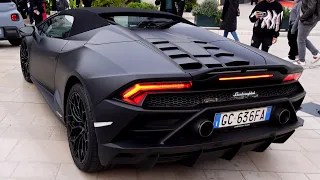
178	56
237	63
196	53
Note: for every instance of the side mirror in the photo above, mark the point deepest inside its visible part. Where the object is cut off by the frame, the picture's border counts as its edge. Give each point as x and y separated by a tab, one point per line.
27	31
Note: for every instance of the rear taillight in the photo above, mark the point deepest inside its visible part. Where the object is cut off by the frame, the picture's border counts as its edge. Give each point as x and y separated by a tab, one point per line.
14	17
136	93
229	78
292	77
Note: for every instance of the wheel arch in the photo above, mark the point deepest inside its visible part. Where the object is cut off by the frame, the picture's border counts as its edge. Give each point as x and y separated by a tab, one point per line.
73	79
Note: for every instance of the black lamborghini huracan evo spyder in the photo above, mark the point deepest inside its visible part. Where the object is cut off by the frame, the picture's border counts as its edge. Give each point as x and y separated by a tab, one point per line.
143	87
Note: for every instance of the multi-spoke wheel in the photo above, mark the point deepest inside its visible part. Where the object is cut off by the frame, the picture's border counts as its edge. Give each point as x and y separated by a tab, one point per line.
24	61
81	134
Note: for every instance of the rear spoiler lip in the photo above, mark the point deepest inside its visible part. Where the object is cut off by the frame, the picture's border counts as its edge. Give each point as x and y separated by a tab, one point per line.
197	75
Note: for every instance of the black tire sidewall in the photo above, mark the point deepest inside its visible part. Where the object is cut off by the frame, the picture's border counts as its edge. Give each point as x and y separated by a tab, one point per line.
87	164
15	42
27	78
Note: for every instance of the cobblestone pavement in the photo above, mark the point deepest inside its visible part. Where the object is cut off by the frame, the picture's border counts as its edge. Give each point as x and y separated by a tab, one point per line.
33	142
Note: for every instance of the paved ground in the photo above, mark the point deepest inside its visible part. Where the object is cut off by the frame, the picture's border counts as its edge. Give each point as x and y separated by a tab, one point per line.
33	143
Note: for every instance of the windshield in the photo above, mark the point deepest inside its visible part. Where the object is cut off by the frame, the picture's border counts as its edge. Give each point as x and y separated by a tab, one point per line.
142	22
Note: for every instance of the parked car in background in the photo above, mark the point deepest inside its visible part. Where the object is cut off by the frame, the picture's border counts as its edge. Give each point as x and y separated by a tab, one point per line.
10	22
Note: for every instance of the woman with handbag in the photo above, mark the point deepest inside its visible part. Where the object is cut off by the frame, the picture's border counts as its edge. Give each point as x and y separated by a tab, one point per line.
229	18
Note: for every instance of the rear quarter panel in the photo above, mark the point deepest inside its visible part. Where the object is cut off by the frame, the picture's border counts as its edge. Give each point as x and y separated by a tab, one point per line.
102	75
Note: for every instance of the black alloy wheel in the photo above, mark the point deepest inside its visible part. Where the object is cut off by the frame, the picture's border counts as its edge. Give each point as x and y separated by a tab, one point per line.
78	127
24	61
80	130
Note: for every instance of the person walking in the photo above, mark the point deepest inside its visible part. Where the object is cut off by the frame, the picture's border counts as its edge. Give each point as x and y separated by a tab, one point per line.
267	17
229	18
167	6
181	4
87	3
293	31
62	5
30	13
256	1
309	17
37	10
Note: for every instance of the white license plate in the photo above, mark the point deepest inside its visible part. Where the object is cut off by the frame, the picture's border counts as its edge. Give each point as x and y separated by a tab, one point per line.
241	118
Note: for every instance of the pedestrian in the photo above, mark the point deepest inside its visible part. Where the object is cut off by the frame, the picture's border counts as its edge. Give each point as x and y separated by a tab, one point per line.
30	13
293	31
167	6
37	9
21	7
309	17
256	1
181	4
62	5
267	17
228	19
87	3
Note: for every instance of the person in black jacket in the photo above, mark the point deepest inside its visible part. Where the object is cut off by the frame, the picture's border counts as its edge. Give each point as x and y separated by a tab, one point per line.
167	6
37	9
267	17
87	3
181	4
256	1
229	18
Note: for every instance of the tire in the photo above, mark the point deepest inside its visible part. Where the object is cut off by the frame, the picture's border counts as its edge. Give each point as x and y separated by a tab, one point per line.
24	61
80	130
15	42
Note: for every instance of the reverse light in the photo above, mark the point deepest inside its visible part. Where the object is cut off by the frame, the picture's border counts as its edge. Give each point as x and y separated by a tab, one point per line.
292	77
14	17
246	77
136	93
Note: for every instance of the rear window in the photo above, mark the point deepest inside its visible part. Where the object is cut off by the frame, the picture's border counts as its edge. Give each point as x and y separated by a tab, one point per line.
5	1
141	22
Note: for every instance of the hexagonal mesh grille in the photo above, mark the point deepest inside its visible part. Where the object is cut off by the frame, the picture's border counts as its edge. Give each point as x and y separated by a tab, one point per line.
194	99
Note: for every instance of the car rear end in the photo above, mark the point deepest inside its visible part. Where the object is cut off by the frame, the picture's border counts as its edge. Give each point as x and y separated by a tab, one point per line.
10	21
221	111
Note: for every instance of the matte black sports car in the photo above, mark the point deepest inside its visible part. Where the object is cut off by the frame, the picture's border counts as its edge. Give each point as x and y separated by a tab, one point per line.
145	87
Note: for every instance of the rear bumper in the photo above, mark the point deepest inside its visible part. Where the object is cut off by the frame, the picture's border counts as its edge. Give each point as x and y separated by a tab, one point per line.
10	33
222	146
117	147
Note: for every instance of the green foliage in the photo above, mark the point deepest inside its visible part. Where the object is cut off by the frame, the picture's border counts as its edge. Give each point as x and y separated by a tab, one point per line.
48	6
72	4
286	13
207	8
142	5
190	4
217	17
108	3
